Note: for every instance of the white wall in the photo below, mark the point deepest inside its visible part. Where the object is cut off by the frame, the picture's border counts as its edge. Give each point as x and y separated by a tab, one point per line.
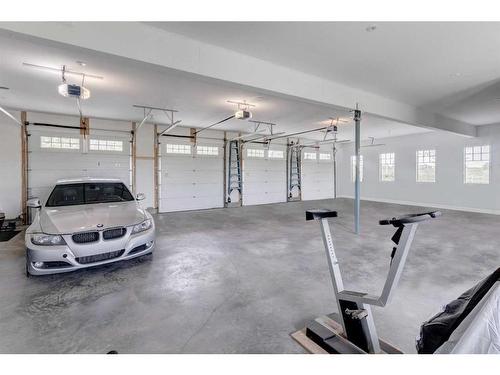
449	190
145	163
10	166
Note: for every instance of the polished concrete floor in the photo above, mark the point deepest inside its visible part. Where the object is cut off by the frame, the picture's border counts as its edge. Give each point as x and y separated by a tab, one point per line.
240	280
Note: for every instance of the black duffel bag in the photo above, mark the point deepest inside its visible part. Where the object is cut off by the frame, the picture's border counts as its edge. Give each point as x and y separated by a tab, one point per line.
437	330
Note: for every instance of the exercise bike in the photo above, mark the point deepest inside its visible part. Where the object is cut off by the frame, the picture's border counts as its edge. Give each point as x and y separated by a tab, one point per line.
355	332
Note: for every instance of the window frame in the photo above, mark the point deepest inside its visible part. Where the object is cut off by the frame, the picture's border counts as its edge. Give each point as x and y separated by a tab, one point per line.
417	164
380	166
465	182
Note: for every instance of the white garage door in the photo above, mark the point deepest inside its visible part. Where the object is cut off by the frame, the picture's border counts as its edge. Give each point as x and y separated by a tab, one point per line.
191	176
58	153
317	175
264	175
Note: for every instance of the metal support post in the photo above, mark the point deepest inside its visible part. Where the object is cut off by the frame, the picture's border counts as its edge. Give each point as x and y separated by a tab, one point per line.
357	123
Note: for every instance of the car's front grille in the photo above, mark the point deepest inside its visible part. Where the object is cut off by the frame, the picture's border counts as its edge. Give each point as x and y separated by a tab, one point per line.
114	233
85	237
99	257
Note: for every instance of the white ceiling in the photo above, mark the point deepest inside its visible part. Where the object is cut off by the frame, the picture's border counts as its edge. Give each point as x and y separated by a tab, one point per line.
200	101
451	67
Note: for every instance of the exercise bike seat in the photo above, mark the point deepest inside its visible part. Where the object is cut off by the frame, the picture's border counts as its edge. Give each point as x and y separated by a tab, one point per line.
320	214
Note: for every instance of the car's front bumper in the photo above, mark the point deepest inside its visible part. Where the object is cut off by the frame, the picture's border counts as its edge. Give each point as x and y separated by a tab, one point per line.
45	260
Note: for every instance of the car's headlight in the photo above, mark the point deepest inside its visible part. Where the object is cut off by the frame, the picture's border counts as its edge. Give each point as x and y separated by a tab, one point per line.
47	239
145	225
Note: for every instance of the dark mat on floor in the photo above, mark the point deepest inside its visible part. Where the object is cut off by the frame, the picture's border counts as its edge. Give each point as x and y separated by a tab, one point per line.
7	235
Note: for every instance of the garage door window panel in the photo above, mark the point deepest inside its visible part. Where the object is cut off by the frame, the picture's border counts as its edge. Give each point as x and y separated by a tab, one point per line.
207	151
255	153
178	149
325	156
310	156
59	143
275	154
105	145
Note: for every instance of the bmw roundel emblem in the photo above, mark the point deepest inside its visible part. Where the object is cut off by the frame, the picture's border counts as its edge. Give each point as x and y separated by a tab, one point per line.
100	225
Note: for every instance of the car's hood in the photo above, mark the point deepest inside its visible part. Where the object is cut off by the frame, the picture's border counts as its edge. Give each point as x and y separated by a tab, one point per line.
70	219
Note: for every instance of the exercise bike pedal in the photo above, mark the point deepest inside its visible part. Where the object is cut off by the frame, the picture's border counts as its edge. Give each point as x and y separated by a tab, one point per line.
356	314
329	340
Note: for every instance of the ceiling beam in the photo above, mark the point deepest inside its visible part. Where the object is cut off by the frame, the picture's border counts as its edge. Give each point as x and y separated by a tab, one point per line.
149	44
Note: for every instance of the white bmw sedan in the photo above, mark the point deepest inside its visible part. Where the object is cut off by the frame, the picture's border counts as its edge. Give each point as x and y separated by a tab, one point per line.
84	223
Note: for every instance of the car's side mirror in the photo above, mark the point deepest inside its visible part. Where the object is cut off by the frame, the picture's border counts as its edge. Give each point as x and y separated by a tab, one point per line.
34	203
140	196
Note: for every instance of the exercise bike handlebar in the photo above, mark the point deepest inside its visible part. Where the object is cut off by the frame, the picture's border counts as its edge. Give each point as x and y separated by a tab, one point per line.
410	219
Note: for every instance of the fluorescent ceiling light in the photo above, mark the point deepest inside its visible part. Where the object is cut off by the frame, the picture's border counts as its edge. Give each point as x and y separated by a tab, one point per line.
9	115
59	70
172	126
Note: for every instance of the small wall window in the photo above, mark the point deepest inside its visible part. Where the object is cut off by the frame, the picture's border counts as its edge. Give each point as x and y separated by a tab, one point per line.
477	165
309	156
325	156
255	153
178	149
275	154
387	167
426	166
353	168
60	143
105	145
207	150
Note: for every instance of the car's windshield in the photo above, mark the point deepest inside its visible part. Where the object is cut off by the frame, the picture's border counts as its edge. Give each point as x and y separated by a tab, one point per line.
88	193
